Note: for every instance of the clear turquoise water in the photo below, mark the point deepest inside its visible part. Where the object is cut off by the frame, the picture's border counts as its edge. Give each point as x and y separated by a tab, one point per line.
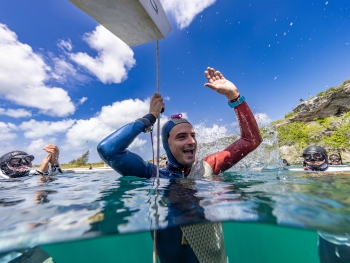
244	243
88	217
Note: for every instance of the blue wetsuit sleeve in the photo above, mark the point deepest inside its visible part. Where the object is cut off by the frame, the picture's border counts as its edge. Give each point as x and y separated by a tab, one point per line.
113	150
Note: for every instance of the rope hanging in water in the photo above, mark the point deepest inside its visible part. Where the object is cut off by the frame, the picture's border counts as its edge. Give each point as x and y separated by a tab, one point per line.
158	121
155	251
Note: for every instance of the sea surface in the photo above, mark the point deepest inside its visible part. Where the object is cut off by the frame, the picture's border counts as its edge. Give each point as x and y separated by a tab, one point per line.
99	215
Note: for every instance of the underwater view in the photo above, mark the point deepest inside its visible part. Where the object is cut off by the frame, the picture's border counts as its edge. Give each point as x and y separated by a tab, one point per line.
268	216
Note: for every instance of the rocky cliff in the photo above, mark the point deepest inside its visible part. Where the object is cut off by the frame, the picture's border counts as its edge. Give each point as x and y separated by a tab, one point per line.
333	102
323	120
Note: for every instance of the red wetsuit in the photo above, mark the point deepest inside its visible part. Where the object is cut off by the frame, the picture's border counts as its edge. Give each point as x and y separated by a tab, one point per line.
250	139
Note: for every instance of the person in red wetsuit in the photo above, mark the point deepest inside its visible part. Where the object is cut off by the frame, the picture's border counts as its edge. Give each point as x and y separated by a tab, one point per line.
178	244
179	139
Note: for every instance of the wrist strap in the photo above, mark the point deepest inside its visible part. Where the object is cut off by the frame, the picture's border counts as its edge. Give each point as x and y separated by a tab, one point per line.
238	101
149	121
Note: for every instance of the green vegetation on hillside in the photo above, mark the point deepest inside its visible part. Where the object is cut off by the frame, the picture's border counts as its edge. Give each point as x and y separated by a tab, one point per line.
331	132
333	89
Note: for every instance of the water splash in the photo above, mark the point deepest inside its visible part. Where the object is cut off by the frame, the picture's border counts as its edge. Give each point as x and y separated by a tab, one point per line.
265	157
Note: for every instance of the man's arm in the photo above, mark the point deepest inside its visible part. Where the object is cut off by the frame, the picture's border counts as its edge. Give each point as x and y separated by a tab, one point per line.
113	149
250	139
250	135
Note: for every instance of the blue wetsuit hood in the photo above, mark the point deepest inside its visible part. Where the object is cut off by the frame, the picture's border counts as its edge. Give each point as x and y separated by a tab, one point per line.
165	135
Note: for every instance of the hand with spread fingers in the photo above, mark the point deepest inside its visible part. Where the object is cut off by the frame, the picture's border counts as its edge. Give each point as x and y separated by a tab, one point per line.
156	105
217	82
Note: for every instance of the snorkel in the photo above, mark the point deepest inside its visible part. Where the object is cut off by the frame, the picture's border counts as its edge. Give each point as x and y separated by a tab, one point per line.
15	164
175	120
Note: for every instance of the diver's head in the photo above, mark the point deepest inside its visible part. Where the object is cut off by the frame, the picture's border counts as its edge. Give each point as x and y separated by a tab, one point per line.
315	156
15	164
179	141
285	162
334	159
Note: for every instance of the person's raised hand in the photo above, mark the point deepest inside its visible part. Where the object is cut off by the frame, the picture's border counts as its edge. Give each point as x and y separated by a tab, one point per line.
54	153
156	105
217	82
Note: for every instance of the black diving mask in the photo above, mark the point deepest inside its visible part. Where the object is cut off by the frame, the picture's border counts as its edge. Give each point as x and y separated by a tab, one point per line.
313	156
334	159
20	160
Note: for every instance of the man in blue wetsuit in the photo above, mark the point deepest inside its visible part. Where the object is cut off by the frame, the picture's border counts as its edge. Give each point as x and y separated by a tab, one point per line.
179	141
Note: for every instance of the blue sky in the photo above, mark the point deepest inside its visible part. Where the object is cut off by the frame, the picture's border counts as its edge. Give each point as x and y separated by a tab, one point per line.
64	79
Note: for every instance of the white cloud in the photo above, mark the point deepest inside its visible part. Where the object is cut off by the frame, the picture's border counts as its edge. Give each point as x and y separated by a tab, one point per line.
114	57
85	132
137	143
22	78
108	120
209	134
184	115
63	69
65	45
36	146
12	126
184	11
5	132
262	119
38	129
82	100
123	112
15	113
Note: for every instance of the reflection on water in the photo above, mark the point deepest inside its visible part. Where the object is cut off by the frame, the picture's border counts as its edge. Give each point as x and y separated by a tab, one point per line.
74	206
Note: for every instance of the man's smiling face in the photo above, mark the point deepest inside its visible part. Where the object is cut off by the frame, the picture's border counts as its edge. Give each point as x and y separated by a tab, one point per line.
183	144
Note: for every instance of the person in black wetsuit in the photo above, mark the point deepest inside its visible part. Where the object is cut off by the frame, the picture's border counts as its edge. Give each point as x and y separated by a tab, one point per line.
335	159
285	162
315	158
331	248
18	164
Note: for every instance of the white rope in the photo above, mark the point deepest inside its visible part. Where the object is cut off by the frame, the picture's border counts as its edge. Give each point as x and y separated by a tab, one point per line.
158	123
155	251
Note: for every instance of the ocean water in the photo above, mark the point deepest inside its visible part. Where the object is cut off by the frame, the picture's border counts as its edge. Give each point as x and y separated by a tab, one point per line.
244	243
269	215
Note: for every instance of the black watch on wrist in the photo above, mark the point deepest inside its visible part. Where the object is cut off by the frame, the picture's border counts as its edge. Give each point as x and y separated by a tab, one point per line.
148	124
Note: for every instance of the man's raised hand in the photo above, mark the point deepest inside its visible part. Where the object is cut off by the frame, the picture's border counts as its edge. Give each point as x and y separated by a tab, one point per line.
156	105
217	82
